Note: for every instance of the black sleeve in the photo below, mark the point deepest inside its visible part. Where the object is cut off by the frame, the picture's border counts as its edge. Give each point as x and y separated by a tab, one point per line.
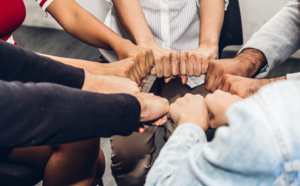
17	64
38	114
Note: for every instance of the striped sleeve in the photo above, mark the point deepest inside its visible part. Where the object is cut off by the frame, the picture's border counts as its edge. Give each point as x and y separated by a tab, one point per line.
109	1
44	3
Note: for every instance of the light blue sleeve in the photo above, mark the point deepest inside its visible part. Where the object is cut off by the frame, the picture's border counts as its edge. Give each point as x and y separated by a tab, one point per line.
174	152
278	38
245	153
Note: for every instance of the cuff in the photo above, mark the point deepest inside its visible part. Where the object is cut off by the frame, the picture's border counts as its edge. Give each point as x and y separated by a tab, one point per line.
192	131
294	76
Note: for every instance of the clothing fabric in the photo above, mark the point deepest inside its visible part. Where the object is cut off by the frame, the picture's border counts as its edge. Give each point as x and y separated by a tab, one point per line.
12	15
260	146
18	64
40	113
175	25
279	38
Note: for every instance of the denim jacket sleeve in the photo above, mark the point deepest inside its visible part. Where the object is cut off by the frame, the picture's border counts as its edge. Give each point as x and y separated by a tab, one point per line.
279	37
256	149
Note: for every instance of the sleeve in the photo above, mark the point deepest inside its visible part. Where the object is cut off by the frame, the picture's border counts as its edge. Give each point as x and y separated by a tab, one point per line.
245	153
44	3
198	3
294	76
39	114
17	64
278	38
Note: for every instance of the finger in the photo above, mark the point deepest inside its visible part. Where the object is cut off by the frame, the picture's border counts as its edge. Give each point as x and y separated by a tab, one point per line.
175	64
198	66
204	65
137	76
182	63
141	129
167	62
184	79
161	120
150	61
144	81
159	68
153	70
190	65
167	80
142	63
209	79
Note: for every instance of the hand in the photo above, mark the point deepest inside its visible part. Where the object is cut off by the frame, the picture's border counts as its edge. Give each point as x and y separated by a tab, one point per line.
143	57
109	84
166	61
153	108
244	87
217	70
195	62
124	68
217	104
190	108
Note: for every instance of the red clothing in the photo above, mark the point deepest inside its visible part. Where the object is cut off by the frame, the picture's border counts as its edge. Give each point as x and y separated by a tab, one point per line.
12	15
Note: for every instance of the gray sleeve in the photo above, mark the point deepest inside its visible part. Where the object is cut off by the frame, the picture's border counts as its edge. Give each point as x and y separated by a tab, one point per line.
279	37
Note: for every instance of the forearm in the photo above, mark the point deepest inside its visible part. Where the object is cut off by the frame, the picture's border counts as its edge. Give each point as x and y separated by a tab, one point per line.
90	66
132	17
45	113
279	37
18	64
252	60
211	20
83	25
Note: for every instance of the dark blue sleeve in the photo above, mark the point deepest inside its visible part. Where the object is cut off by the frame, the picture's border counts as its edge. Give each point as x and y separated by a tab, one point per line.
43	113
18	64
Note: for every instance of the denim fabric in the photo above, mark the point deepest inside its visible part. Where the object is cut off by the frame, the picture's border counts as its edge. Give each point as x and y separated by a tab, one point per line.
260	146
279	37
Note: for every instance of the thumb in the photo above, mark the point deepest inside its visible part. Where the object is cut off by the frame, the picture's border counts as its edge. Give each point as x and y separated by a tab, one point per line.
184	79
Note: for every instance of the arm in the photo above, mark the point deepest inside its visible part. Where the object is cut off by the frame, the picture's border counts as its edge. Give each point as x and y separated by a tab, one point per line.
270	46
232	157
83	25
132	17
123	68
195	62
21	65
45	113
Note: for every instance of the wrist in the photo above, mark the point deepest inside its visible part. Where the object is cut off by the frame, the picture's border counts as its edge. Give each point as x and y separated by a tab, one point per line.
143	108
197	121
251	61
146	42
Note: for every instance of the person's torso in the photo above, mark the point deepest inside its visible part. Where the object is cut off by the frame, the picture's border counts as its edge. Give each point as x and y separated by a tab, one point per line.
12	15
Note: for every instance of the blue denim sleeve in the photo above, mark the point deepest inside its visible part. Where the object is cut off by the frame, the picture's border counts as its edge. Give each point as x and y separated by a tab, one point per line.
174	153
278	38
263	129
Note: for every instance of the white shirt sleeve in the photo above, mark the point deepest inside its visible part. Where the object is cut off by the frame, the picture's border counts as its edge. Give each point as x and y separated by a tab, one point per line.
44	3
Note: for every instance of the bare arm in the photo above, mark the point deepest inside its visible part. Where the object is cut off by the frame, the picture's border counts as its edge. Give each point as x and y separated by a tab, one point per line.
131	15
195	62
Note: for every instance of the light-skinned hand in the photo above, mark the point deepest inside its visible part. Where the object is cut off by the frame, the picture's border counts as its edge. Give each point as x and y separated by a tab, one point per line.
195	62
217	104
190	108
154	109
166	61
142	56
